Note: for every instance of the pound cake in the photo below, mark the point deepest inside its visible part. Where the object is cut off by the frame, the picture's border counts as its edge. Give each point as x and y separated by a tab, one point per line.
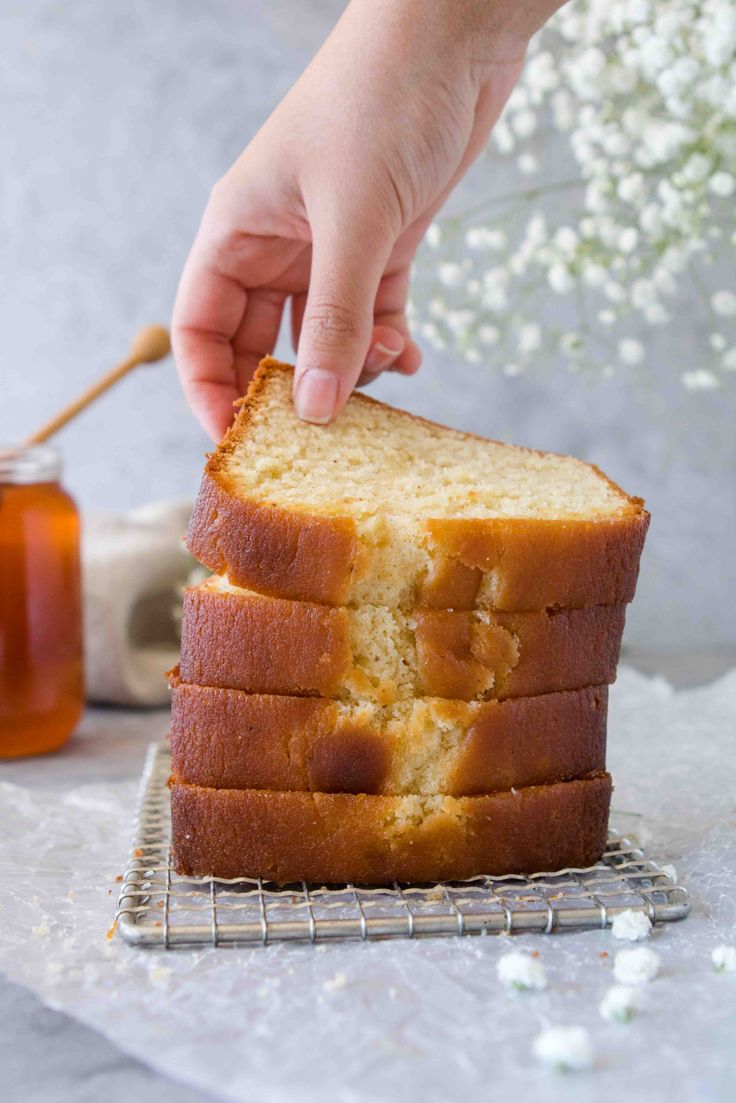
384	508
399	668
339	837
242	640
227	739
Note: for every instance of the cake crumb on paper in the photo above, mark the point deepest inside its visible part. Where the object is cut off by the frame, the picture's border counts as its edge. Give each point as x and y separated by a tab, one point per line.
334	984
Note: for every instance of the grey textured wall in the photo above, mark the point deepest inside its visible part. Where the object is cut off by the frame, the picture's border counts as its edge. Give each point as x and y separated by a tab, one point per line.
115	121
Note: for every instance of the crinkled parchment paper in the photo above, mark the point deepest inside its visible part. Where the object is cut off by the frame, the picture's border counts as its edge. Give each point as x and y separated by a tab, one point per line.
400	1020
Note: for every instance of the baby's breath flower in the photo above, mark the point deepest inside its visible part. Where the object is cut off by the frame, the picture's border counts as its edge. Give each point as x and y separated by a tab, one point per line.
724	303
699	380
630	351
646	96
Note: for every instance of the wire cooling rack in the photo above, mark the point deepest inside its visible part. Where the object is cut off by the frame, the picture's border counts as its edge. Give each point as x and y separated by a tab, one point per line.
157	907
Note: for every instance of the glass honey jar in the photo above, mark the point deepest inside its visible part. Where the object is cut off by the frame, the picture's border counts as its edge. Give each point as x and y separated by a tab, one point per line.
41	661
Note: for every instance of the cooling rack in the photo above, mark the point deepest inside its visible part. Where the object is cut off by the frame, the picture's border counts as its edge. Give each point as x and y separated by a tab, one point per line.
157	907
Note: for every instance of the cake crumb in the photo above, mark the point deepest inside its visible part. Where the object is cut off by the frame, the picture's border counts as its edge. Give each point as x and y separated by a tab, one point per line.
334	984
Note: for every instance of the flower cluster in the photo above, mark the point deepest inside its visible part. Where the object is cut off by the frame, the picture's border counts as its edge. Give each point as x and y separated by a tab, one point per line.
646	93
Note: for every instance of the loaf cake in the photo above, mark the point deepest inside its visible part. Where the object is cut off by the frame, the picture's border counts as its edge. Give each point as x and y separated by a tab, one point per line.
383	508
339	837
227	739
398	670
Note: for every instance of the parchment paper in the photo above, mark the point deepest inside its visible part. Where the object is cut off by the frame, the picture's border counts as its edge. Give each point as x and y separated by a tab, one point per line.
400	1020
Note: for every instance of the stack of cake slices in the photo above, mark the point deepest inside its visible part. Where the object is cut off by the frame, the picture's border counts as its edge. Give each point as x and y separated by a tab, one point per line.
399	668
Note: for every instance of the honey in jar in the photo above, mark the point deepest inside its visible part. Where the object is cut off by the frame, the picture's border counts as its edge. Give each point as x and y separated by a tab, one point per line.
41	668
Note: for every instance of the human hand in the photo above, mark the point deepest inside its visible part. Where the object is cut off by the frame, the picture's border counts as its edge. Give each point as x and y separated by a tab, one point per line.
328	203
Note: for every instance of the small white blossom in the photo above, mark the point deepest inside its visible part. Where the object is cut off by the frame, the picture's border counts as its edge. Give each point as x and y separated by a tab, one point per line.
724	959
530	337
451	274
559	279
433	236
722	184
606	317
636	966
630	351
528	164
489	335
521	971
620	1003
631	926
699	380
567	1048
724	303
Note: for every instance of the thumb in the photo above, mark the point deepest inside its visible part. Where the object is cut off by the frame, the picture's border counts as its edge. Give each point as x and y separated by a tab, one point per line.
348	262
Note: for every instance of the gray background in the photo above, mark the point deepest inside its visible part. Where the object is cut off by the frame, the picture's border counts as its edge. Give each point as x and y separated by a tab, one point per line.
115	121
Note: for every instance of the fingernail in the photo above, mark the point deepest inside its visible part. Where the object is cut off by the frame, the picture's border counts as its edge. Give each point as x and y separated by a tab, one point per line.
379	357
316	396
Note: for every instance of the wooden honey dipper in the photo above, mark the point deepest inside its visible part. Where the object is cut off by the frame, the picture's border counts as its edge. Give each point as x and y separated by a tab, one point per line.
151	343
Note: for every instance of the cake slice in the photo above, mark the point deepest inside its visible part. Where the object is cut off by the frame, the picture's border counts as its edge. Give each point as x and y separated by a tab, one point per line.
242	640
227	739
339	837
384	508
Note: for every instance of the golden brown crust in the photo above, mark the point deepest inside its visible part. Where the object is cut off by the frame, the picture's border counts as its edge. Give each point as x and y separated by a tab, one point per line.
275	551
542	564
226	739
295	554
338	838
242	640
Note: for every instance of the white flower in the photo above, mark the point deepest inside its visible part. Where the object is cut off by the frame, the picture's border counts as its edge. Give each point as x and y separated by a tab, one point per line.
656	315
489	335
630	351
722	184
636	966
451	274
628	239
699	380
521	971
631	926
631	188
524	123
566	241
433	236
620	1003
606	317
724	959
564	1048
482	237
571	344
560	279
528	164
724	302
530	337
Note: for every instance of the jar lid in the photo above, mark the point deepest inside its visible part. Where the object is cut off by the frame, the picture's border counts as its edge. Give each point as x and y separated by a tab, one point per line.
38	463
